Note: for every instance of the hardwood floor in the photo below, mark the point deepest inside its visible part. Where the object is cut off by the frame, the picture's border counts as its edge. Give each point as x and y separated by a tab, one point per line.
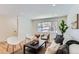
17	49
3	48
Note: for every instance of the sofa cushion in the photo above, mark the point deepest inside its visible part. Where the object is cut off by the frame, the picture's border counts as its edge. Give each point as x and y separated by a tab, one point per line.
74	49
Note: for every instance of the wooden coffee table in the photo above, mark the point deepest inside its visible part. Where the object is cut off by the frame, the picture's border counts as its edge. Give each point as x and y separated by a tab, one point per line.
36	47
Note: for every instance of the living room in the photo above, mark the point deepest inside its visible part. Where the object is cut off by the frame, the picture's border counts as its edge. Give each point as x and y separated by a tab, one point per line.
21	23
68	11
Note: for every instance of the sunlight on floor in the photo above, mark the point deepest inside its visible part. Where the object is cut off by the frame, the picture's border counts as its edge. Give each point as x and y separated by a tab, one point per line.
3	48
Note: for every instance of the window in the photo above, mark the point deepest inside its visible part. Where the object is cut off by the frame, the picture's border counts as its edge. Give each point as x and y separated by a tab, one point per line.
44	26
47	25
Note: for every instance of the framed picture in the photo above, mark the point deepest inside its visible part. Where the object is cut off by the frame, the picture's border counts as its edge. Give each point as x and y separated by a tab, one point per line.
75	23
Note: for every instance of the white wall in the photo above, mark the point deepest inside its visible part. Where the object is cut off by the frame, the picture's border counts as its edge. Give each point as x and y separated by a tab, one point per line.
8	26
24	27
72	16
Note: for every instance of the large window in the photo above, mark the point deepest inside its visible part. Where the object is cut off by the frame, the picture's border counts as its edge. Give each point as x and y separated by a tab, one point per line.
43	26
46	26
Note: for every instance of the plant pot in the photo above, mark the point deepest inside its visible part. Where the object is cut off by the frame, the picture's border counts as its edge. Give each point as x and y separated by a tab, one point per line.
59	39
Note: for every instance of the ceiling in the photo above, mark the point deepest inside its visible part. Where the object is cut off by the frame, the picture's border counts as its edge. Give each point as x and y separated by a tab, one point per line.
35	10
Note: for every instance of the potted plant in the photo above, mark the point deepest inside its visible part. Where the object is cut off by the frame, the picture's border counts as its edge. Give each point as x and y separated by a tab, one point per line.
63	27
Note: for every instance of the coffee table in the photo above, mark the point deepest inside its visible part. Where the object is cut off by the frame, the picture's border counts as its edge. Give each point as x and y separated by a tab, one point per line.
36	47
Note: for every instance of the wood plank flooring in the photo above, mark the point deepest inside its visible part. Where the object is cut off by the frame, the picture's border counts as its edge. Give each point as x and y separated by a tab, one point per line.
17	50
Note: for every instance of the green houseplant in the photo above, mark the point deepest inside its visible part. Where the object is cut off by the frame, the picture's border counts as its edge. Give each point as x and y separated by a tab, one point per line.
63	27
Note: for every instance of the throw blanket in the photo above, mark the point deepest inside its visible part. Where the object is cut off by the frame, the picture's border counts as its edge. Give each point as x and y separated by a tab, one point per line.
52	48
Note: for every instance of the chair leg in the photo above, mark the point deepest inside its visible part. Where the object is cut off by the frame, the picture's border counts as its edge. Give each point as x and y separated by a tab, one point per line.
45	44
13	48
25	42
7	47
20	45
